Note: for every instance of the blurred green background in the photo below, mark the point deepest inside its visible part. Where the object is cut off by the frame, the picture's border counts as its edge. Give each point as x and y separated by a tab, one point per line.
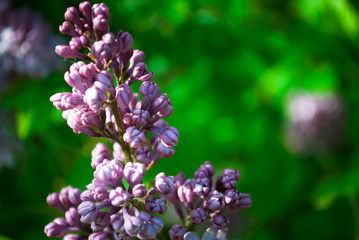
228	67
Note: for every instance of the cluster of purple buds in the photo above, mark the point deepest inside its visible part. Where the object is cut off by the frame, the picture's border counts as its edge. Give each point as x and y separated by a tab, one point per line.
102	103
108	209
316	123
117	204
26	45
206	201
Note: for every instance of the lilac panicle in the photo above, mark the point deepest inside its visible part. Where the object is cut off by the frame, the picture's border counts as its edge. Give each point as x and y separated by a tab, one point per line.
104	103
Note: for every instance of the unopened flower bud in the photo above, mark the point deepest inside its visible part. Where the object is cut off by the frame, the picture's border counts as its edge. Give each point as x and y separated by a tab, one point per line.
220	221
230	178
101	221
125	41
88	212
140	116
74	79
156	205
57	228
119	196
54	201
117	221
198	215
95	98
77	43
139	190
176	232
124	95
163	184
143	154
109	173
66	28
191	236
214	201
134	137
206	170
169	137
150	89
117	152
99	153
134	172
72	216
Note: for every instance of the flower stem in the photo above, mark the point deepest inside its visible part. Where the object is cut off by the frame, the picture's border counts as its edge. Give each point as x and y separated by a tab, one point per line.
125	148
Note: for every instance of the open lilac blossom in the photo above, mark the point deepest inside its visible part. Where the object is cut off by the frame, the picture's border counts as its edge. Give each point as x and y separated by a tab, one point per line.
117	204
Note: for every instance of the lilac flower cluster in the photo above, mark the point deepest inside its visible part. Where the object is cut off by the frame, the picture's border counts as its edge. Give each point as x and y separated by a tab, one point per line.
96	106
316	123
117	204
26	44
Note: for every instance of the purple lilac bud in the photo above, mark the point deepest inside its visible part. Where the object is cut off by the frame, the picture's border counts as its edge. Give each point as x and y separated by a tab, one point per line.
162	184
137	57
95	98
66	28
169	137
65	100
117	152
161	150
191	236
176	232
86	10
198	215
232	196
212	233
57	228
73	78
109	173
100	16
185	192
72	15
134	173
124	95
66	52
90	119
70	196
133	224
156	205
140	70
101	221
245	201
99	153
54	201
77	43
230	178
179	179
162	102
202	186
150	89
143	154
165	112
134	137
119	196
153	225
206	170
97	192
117	221
100	236
140	116
220	221
125	41
105	82
72	216
214	201
139	190
88	211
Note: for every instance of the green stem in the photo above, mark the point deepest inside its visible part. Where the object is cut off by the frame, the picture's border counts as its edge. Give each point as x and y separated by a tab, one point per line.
125	147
